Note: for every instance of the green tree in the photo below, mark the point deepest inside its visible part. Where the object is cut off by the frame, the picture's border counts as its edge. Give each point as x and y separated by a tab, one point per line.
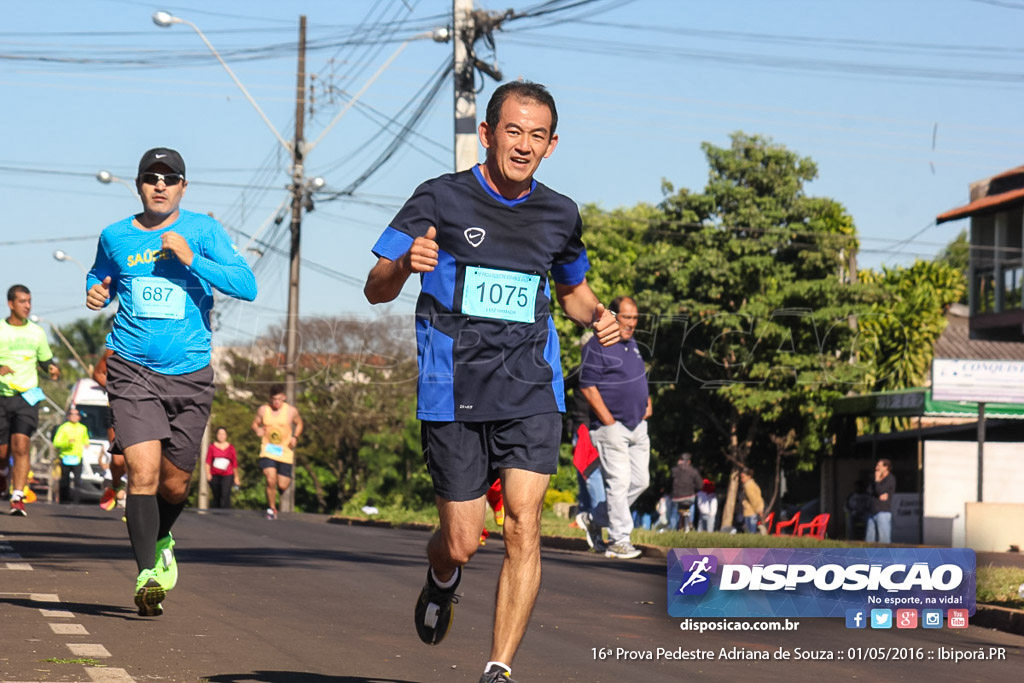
958	255
355	391
614	242
750	279
899	331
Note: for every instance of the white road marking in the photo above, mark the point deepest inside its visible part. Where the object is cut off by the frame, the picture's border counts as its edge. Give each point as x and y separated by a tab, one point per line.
43	597
106	675
69	629
56	613
88	650
19	566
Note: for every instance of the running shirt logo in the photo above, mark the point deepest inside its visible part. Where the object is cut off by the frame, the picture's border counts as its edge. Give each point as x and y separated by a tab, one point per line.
475	236
695	580
148	256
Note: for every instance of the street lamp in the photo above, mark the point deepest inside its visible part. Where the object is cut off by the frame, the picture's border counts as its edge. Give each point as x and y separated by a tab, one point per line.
166	20
295	152
64	256
106	177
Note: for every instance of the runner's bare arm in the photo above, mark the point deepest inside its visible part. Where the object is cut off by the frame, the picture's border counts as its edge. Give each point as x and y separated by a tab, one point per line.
580	304
300	426
257	422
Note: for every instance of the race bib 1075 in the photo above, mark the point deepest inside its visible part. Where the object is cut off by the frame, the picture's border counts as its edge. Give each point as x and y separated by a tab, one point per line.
500	294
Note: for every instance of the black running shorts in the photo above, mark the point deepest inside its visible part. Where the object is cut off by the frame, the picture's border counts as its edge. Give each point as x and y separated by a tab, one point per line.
149	406
459	455
17	417
284	469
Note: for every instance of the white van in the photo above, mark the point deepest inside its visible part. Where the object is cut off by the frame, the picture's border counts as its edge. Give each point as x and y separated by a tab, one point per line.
91	400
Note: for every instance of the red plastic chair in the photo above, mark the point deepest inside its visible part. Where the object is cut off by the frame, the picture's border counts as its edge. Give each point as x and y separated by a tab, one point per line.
816	527
768	521
789	524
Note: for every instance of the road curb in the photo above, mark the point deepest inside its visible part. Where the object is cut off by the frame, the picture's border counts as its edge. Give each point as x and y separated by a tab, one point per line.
359	521
999	618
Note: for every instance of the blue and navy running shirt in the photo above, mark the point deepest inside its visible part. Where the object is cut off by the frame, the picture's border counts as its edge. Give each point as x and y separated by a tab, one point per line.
163	320
487	347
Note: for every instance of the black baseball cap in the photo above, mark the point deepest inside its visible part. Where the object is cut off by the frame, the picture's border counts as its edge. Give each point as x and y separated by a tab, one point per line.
162	155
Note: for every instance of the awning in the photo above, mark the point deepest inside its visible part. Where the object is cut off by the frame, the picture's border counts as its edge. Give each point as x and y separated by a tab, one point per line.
919	403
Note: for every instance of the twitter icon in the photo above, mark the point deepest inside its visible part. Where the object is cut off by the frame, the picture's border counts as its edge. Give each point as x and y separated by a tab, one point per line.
881	618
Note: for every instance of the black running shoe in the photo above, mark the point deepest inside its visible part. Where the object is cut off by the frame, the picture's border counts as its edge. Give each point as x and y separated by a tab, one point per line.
434	612
496	674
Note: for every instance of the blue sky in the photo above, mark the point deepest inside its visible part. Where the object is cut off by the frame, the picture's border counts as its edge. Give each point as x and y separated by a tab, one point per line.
901	103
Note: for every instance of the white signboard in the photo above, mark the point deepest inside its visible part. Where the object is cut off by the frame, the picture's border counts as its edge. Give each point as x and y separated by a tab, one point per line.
980	381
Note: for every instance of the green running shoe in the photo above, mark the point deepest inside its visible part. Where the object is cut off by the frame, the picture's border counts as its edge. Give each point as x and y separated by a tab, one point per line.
166	566
149	594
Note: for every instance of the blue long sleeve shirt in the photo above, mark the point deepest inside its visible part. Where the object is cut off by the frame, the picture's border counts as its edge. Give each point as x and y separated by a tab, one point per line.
163	320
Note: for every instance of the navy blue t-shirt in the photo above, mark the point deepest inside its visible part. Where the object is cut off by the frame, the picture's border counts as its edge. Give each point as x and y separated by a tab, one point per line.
619	374
486	344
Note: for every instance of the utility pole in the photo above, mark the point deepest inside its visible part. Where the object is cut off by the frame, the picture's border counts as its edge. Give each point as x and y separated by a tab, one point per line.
469	26
298	190
465	94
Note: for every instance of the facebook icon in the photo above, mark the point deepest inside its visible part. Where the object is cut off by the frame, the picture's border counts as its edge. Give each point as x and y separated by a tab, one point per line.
856	618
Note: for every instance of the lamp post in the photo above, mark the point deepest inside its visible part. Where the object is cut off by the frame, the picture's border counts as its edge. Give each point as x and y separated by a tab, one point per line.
299	191
106	177
60	255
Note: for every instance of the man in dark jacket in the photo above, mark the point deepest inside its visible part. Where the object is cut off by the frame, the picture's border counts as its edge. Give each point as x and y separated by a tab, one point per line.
686	482
879	527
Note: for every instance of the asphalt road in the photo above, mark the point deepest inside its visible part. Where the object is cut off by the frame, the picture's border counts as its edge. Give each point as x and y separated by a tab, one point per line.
301	600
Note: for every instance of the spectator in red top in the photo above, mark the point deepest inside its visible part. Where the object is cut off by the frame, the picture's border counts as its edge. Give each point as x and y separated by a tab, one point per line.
221	469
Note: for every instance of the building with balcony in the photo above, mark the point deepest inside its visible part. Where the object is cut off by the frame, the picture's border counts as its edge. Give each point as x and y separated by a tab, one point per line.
996	274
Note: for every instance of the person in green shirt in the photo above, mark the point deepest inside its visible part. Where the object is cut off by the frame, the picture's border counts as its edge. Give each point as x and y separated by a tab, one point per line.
70	440
23	346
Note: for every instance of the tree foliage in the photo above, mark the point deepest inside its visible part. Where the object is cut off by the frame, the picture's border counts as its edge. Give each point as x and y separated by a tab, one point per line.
356	393
899	331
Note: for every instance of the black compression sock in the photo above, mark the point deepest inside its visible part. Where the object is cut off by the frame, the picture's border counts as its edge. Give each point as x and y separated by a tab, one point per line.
143	517
168	515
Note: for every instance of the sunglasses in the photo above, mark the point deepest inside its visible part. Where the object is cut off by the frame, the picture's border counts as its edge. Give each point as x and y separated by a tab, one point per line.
168	178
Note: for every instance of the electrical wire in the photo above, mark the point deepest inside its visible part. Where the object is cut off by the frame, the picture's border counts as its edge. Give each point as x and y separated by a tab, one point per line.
415	117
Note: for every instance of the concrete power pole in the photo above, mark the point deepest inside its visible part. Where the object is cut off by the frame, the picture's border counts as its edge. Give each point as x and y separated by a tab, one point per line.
469	26
298	190
465	95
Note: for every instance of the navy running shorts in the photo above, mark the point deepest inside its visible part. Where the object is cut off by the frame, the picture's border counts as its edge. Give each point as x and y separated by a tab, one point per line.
17	417
149	406
284	469
460	455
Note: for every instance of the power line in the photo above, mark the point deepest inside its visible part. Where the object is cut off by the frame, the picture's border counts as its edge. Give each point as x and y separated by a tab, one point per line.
324	270
986	52
654	52
47	240
414	118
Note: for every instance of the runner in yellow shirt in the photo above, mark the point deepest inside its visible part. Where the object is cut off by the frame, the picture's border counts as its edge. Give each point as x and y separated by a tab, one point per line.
23	345
279	425
70	440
